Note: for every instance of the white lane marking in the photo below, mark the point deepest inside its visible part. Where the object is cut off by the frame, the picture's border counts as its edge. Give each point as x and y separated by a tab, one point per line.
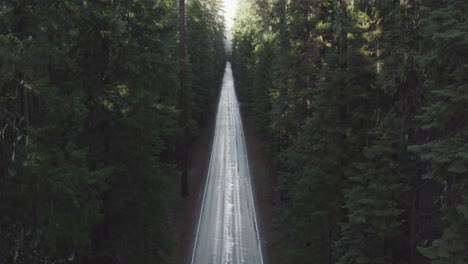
250	185
232	162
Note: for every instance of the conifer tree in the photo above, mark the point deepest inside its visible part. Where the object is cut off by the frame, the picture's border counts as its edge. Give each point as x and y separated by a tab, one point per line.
88	130
444	60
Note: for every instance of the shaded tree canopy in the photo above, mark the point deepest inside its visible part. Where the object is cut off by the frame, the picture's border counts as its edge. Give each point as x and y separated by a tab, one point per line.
366	103
89	126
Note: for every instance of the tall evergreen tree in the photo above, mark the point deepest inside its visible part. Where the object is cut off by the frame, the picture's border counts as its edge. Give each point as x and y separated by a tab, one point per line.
88	130
346	89
444	59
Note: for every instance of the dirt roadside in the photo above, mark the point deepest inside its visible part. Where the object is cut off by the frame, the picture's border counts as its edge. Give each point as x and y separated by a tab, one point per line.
187	209
263	176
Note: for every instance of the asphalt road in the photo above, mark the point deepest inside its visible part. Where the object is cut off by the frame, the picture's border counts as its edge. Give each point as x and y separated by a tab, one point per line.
227	230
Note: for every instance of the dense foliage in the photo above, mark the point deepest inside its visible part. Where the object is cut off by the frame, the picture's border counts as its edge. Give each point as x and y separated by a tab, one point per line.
89	125
367	103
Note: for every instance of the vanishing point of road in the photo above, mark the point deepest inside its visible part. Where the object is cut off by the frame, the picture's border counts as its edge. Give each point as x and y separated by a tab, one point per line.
227	231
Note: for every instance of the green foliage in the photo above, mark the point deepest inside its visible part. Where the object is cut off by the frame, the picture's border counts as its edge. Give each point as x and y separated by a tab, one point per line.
374	199
88	95
365	101
205	38
445	57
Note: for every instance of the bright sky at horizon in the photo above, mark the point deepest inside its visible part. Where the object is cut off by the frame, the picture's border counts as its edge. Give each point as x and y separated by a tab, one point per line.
230	8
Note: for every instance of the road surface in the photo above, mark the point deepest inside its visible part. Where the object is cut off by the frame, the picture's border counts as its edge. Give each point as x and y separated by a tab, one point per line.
227	231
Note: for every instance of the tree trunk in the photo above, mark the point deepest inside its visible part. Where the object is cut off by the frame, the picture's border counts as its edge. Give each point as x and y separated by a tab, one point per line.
344	33
183	101
283	89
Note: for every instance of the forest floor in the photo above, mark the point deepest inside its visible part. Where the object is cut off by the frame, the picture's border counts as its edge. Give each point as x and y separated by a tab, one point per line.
263	181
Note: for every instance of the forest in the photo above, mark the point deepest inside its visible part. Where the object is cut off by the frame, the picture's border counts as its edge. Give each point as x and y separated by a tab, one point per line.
90	127
363	105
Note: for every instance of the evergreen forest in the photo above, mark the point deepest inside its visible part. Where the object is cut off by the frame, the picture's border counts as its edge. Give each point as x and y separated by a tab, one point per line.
362	106
365	105
90	114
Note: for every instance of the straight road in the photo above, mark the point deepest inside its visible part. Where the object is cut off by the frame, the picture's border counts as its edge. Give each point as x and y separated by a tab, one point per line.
227	231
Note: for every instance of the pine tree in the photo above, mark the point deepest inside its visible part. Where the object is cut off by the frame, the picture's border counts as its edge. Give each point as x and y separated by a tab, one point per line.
373	202
205	37
444	60
340	85
88	129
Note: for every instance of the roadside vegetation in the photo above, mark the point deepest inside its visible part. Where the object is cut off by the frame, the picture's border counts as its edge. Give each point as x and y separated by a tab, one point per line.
89	130
365	103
